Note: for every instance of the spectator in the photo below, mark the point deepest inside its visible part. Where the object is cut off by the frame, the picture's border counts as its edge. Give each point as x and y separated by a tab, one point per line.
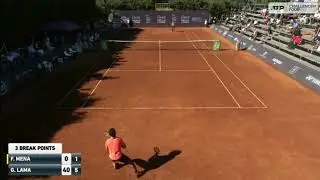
292	21
11	56
78	38
317	32
96	36
264	12
31	51
267	20
39	49
248	24
295	40
130	22
255	34
226	21
48	44
281	19
297	31
295	24
91	40
269	31
317	38
85	42
278	22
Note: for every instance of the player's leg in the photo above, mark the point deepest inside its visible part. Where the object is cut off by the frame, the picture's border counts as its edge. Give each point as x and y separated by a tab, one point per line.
115	165
125	159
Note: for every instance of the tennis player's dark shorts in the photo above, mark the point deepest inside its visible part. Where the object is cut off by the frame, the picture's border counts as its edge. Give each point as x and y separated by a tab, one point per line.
124	159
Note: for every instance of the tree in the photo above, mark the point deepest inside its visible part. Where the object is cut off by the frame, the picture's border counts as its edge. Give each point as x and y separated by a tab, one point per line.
143	4
188	4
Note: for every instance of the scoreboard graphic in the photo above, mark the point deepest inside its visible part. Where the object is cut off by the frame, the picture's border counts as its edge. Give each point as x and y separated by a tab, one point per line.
42	159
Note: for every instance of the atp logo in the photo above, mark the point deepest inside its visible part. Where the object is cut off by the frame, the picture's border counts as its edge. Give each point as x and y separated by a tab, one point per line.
277	8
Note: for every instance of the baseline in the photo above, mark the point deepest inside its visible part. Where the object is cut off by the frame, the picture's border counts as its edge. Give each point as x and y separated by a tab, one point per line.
160	63
146	70
162	108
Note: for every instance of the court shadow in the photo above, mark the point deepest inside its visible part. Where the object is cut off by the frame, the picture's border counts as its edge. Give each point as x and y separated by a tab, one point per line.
37	110
155	161
29	114
226	50
100	76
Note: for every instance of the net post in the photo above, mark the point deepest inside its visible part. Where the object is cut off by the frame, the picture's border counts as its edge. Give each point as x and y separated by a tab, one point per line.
159	49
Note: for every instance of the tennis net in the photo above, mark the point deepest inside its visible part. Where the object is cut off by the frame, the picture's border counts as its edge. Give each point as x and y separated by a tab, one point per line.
210	45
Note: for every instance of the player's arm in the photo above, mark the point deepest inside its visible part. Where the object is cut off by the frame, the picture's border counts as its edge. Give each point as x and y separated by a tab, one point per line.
123	144
106	147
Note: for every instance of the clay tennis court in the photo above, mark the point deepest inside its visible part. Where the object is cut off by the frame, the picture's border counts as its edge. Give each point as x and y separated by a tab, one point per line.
231	115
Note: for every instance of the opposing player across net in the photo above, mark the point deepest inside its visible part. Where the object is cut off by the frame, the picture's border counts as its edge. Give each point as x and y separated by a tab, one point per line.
147	45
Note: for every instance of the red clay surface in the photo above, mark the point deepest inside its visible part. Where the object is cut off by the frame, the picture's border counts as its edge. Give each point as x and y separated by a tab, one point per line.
232	116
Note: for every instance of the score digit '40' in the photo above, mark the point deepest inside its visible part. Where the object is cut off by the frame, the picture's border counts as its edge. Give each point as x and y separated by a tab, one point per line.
70	164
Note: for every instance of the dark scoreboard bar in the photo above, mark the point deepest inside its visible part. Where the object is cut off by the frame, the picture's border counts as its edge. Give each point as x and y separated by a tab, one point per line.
44	170
65	164
43	158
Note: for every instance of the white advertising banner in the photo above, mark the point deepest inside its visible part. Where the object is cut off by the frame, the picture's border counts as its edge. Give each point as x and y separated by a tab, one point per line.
293	8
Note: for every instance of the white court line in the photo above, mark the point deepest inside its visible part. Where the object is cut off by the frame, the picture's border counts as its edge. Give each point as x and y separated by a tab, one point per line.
252	93
187	70
146	70
214	72
77	84
160	108
160	63
163	41
97	85
134	70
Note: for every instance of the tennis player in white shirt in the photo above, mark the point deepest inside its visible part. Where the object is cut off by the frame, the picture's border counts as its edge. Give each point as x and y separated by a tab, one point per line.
172	26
